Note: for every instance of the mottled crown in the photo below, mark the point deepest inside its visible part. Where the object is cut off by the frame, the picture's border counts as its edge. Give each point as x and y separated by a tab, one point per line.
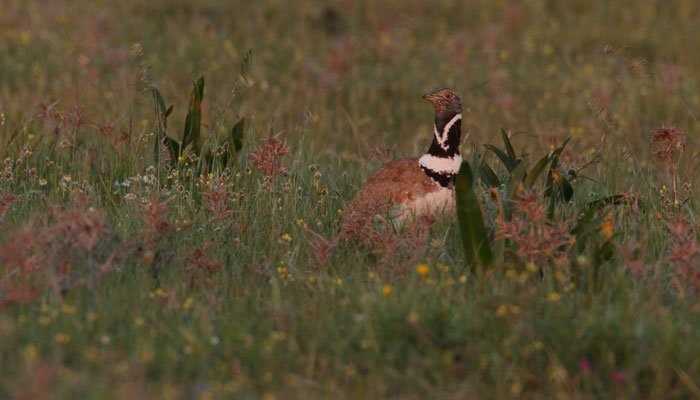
445	101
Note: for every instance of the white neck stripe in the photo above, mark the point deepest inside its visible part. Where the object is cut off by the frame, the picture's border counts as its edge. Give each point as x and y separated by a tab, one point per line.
442	165
442	138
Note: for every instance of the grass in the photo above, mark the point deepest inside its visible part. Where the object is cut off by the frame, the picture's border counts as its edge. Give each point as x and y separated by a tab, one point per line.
119	279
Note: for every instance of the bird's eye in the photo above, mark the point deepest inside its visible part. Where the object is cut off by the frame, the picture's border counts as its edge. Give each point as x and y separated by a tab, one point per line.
449	96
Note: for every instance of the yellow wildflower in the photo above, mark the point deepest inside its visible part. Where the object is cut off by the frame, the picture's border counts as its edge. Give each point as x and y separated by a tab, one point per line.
187	304
502	310
387	290
423	270
554	297
516	388
68	309
606	227
30	352
61	338
531	267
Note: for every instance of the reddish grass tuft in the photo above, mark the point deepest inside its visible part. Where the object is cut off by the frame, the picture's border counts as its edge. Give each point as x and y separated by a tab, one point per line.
67	251
200	266
322	248
395	247
670	143
683	252
216	201
154	215
537	240
268	156
7	199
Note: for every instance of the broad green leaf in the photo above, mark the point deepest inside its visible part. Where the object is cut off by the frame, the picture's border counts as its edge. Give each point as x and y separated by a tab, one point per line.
200	87
604	253
615	199
488	176
587	224
173	147
514	181
193	120
517	174
507	161
554	156
567	191
235	141
560	189
535	172
475	241
158	102
237	135
161	115
247	61
559	149
185	151
508	145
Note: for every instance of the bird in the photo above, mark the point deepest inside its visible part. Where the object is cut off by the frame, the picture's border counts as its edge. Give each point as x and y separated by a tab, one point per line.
409	188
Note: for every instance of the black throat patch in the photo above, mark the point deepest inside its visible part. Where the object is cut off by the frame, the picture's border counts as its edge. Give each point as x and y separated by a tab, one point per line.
441	178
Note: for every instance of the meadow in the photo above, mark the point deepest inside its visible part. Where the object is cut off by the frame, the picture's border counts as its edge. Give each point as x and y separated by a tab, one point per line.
192	252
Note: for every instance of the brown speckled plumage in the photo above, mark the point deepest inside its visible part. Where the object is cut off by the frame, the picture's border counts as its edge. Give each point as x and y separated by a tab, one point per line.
397	182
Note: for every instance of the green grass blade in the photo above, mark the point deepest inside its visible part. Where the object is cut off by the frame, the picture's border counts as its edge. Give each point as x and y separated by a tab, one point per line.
475	241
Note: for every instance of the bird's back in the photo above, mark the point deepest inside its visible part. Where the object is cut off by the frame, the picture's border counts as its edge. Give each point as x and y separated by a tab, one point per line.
396	183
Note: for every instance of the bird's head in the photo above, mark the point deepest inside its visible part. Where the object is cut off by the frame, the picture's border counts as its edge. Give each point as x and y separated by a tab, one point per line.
445	101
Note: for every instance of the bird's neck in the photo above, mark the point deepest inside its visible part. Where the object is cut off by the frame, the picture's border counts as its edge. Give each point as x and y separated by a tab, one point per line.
442	161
